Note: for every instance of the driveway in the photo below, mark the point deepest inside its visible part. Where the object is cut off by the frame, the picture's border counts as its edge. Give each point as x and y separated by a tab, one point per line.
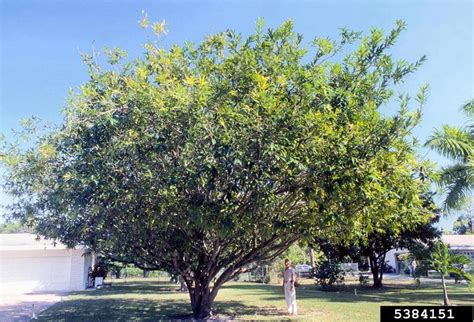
22	307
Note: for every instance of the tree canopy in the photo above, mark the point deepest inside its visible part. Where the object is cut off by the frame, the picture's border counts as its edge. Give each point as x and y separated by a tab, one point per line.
203	159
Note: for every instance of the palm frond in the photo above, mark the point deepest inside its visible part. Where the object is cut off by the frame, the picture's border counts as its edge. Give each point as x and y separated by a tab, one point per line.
452	142
459	258
462	274
451	174
468	108
456	194
457	182
445	261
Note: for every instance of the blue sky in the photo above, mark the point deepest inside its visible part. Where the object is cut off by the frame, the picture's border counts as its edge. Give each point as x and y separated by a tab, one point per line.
41	40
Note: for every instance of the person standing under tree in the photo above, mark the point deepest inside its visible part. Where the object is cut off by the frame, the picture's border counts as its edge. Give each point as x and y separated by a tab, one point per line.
289	279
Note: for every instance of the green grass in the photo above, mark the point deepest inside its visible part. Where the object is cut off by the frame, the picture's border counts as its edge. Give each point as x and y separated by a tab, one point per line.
151	299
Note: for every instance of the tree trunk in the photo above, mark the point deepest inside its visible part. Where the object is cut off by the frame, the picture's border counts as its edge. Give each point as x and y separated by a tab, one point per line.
374	268
381	270
377	280
201	299
202	306
311	257
380	280
445	291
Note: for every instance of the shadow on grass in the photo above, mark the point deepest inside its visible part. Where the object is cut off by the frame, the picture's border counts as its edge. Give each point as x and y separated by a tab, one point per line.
104	305
428	293
140	287
113	310
107	304
142	310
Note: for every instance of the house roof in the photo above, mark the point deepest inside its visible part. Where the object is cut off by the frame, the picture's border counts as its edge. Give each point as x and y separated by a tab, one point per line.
459	242
27	242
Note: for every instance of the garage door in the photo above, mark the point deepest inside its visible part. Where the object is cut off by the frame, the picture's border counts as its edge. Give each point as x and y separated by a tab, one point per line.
35	274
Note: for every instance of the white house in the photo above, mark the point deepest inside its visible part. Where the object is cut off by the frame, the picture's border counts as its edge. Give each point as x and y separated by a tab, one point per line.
462	244
31	265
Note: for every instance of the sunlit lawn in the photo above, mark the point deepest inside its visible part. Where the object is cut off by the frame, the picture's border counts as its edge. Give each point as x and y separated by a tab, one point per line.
152	299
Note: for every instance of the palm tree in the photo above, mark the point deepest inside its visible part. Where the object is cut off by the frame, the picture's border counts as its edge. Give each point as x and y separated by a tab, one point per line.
456	144
444	262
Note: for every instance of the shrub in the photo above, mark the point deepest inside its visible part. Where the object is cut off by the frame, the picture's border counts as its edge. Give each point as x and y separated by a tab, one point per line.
132	271
328	273
266	279
363	280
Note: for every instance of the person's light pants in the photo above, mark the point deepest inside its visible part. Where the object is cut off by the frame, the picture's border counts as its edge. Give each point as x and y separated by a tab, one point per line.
290	297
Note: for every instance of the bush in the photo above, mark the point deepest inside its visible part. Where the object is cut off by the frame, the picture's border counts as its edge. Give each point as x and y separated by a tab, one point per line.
363	280
266	279
422	268
132	271
328	273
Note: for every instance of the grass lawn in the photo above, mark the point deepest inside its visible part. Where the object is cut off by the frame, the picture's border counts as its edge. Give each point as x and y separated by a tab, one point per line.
152	299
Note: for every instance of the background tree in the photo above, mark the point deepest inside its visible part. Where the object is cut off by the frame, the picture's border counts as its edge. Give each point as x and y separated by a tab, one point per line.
463	224
297	254
379	243
203	160
444	262
457	144
14	227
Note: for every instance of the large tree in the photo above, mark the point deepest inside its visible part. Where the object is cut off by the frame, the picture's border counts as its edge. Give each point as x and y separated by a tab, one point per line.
201	160
457	144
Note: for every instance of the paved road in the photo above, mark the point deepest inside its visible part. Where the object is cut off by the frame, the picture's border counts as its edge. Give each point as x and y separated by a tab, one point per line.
23	307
